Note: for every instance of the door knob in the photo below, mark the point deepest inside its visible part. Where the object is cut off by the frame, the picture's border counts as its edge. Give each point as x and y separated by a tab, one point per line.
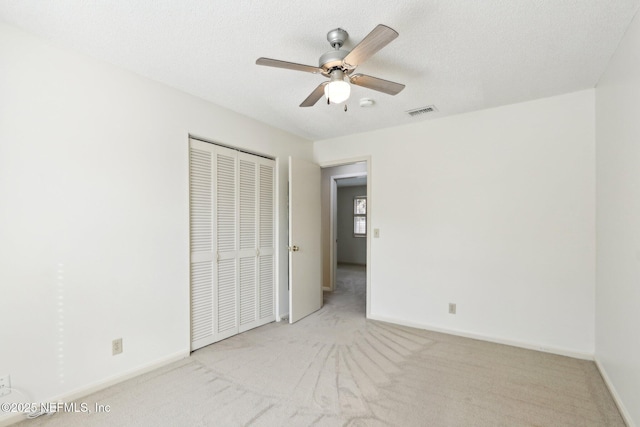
294	248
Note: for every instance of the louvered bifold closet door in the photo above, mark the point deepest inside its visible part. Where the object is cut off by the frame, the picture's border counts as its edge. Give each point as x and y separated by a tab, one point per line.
201	160
226	216
266	241
232	226
248	253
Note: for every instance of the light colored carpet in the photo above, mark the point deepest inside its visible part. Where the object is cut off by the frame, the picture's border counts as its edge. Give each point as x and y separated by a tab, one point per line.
336	368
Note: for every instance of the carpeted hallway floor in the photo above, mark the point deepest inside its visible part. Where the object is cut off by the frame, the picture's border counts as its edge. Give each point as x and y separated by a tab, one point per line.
336	368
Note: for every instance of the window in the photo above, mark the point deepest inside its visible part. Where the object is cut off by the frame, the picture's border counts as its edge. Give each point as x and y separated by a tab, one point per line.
360	216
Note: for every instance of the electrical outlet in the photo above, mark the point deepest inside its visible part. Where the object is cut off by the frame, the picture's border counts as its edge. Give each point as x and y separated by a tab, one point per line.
452	308
5	385
116	346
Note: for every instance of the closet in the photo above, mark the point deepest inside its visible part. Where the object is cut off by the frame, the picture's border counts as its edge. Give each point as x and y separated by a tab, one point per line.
232	237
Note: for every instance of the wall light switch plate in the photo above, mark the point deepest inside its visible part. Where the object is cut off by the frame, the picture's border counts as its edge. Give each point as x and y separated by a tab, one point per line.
376	233
452	308
116	346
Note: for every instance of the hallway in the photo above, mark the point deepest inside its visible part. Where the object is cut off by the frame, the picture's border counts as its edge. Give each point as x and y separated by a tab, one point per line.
350	293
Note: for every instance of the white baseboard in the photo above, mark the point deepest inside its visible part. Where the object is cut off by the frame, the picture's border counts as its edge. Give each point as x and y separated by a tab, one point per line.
489	338
616	397
100	385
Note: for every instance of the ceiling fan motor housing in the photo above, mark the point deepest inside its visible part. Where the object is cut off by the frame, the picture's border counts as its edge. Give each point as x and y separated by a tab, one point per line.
337	37
332	59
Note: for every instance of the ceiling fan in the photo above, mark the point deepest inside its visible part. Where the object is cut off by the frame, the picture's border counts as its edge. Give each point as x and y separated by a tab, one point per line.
338	65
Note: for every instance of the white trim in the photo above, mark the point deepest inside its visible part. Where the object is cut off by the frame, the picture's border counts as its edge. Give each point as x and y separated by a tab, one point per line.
278	241
348	175
232	147
102	384
332	163
283	317
488	338
626	416
369	234
333	221
367	160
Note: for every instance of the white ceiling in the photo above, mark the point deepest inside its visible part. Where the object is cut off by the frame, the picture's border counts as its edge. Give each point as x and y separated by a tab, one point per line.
459	55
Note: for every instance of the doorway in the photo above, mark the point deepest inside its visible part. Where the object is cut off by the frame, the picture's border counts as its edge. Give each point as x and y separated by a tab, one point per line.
347	238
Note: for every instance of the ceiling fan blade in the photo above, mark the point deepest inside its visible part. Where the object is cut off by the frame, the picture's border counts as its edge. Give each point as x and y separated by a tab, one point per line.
373	42
288	65
392	88
314	96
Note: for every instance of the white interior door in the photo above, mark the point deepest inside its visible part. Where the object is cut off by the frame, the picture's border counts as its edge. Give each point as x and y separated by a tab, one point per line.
305	247
202	229
226	292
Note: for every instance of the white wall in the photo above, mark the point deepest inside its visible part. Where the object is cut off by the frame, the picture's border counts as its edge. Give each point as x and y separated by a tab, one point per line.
498	217
618	223
94	214
351	250
328	173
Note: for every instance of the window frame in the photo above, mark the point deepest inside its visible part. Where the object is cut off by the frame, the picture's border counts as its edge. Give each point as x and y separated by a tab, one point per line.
356	215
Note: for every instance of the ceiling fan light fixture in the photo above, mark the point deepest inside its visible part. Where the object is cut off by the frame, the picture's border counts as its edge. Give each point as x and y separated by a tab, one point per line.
337	90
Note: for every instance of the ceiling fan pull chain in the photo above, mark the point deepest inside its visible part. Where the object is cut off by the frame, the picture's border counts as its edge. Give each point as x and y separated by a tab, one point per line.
345	108
328	101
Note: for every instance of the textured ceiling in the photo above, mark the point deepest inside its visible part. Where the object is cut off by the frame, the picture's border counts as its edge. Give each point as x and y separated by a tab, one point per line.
459	55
